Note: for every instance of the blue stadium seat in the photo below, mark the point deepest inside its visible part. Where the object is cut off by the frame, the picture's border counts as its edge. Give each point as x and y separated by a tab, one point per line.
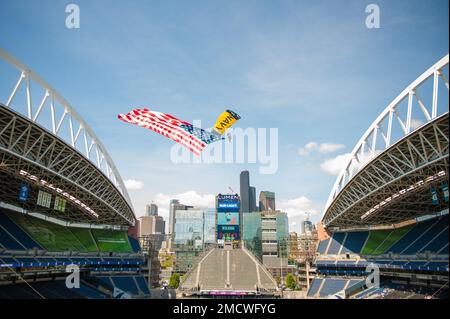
78	260
134	244
6	262
354	242
437	266
427	236
90	293
415	265
336	243
411	236
142	283
20	235
332	286
323	246
8	242
125	283
314	288
104	281
346	263
438	243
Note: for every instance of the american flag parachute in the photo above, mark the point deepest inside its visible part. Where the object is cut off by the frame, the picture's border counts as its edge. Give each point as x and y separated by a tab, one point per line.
191	137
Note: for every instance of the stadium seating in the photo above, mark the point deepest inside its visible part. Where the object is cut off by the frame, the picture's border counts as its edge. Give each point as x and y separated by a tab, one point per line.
323	245
142	284
354	242
126	283
429	235
135	246
336	243
375	239
51	236
8	242
324	287
90	292
84	236
112	241
19	232
416	232
426	238
314	288
39	290
16	232
134	284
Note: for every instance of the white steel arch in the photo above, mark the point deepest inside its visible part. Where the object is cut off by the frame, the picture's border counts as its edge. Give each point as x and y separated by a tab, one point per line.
368	147
91	147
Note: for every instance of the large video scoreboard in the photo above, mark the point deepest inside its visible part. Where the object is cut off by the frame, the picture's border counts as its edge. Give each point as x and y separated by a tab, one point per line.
228	222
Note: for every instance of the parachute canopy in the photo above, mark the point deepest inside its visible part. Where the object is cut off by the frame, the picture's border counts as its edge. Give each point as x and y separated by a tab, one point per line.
225	121
191	137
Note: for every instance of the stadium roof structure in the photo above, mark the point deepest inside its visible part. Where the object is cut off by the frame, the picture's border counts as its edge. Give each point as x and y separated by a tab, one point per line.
403	155
49	146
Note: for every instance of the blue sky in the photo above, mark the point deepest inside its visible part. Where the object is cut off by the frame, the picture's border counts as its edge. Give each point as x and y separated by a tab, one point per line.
309	68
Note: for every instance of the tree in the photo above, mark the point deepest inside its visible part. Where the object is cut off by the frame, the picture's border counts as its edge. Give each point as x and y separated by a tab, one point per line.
174	281
291	282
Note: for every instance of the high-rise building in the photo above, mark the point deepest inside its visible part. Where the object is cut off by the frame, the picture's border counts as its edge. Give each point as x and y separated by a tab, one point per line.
252	199
307	226
265	234
149	225
175	205
293	245
266	201
245	191
151	210
153	226
193	231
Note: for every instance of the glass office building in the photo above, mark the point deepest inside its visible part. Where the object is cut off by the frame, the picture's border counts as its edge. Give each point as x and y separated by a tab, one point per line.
265	234
252	233
193	230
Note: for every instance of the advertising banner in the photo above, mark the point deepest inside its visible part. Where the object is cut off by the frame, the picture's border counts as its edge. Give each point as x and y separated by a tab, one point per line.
228	219
228	203
228	232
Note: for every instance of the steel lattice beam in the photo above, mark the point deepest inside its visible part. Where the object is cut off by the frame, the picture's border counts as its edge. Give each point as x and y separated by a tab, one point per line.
423	153
27	147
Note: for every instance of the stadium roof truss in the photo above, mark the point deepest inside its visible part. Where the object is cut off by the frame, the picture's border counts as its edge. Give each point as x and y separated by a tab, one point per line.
388	175
60	153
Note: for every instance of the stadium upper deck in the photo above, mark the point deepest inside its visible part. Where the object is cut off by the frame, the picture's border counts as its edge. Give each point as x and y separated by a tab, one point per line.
51	162
399	168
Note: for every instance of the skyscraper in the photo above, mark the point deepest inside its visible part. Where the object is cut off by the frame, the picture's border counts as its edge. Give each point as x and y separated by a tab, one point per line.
172	208
252	199
151	210
266	201
307	226
245	191
193	230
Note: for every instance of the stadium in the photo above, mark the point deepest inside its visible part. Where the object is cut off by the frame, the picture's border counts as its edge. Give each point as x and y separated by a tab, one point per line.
388	209
62	200
64	206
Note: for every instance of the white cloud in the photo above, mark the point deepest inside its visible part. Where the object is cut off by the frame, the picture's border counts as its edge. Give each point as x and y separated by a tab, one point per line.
333	166
330	147
133	184
322	148
298	207
188	198
415	123
297	210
